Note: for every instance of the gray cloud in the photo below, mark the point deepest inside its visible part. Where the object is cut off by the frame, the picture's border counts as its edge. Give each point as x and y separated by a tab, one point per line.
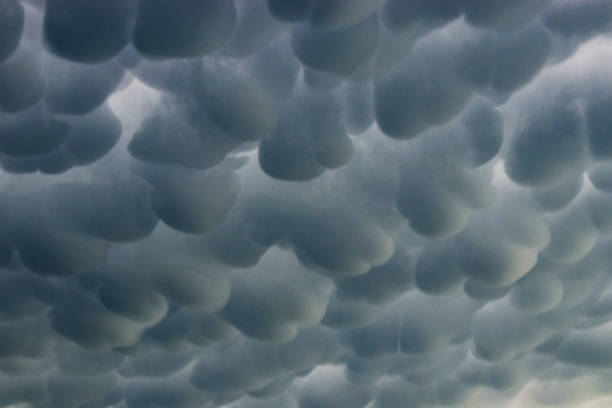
303	204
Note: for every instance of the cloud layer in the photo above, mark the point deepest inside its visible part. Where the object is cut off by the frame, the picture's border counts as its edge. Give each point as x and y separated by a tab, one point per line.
305	204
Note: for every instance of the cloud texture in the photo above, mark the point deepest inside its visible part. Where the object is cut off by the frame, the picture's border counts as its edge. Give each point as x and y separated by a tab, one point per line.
305	204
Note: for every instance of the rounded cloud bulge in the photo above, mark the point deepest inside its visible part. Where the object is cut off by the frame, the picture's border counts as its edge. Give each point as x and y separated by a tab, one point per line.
305	203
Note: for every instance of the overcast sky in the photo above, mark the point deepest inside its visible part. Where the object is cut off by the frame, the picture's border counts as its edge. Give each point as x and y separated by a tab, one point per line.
305	203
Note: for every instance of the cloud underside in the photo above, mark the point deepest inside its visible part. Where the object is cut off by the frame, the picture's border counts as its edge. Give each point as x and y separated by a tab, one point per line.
305	204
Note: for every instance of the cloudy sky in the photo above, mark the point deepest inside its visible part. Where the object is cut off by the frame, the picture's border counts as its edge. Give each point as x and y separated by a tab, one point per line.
305	203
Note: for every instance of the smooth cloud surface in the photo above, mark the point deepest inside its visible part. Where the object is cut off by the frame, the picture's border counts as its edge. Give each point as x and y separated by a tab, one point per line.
305	204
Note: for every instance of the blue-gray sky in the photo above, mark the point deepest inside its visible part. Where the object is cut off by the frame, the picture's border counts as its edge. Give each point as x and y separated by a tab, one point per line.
305	203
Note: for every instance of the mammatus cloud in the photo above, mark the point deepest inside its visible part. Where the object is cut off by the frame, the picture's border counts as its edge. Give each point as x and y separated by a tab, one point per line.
305	204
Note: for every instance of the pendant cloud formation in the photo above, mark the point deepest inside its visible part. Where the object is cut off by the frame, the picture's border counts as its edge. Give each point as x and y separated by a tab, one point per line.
305	203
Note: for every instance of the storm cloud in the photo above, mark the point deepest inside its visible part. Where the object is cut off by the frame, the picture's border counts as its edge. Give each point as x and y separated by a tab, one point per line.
305	203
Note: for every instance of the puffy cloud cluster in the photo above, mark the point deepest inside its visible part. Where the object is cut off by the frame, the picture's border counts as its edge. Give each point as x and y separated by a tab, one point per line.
305	204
